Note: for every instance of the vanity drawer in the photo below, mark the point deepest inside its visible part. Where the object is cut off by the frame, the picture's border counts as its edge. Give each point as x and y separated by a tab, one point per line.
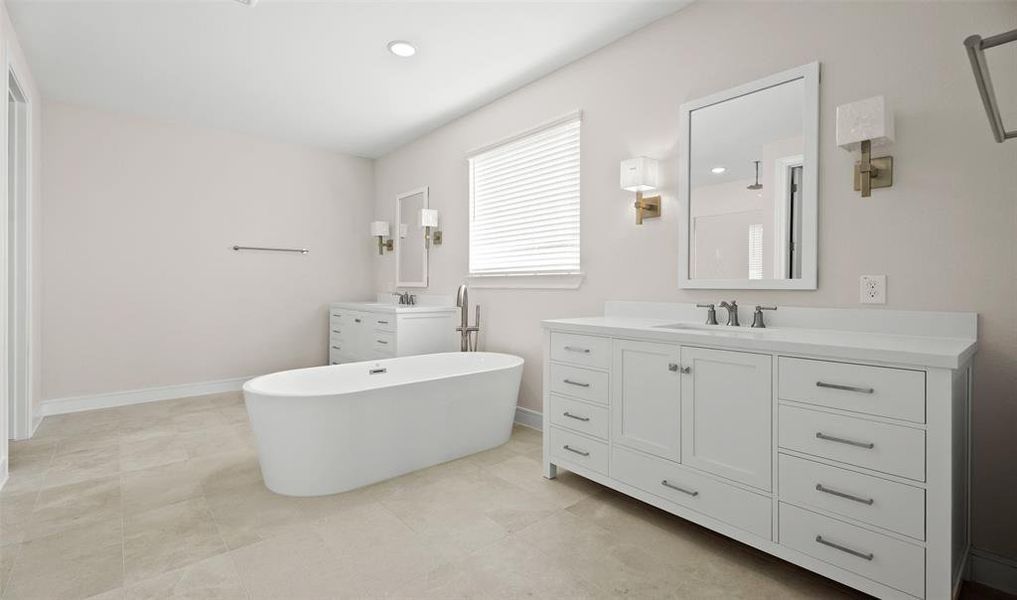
581	416
681	485
581	383
893	393
383	342
578	449
336	347
887	560
584	350
383	322
878	446
887	504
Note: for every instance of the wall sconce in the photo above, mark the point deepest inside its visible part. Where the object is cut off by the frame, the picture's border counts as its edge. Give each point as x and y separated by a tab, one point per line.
429	221
640	175
379	229
860	126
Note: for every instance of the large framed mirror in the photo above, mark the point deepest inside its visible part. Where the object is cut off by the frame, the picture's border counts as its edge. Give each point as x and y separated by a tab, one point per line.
410	246
748	185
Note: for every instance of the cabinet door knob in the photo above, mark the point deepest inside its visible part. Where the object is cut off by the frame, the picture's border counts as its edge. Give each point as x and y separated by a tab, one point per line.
686	370
672	367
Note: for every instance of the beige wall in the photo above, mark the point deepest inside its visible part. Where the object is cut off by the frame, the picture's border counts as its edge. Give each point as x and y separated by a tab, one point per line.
944	234
142	288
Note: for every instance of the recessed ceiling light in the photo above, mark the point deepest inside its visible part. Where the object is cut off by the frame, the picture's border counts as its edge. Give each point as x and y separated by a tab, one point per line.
402	49
718	170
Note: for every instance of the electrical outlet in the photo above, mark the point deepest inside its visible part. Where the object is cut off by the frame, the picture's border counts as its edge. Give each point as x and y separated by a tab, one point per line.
873	289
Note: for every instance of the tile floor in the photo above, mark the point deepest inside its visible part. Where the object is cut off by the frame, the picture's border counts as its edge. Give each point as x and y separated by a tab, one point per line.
165	500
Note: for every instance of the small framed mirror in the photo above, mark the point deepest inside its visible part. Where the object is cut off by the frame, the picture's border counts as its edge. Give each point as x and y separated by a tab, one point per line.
410	248
748	185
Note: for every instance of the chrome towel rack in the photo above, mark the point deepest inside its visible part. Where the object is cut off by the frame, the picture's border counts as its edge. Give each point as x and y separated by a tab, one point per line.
976	46
298	250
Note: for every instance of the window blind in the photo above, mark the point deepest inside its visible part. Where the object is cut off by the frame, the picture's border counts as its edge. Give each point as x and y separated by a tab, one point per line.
524	204
755	251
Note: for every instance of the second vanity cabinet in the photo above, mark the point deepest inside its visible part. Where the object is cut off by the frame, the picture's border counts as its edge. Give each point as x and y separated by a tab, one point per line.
370	331
851	468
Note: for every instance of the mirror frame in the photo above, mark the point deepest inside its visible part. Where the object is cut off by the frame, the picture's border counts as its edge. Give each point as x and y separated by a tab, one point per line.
399	241
810	184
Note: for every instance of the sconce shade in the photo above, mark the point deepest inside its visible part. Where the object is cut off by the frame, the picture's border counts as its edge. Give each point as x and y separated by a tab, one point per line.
428	217
639	174
379	228
869	119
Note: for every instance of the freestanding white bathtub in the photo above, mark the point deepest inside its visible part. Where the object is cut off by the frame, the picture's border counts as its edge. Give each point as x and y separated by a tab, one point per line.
326	430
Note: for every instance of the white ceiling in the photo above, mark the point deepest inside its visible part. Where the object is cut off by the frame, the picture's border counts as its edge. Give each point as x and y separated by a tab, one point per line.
315	73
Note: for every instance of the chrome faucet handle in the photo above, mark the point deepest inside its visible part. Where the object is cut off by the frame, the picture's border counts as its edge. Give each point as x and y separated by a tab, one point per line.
757	317
711	313
732	312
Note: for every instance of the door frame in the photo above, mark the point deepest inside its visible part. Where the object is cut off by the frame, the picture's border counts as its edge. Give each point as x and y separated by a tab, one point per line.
19	313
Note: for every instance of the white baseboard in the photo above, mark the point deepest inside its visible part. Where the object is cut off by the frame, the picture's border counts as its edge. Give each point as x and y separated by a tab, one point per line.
993	570
3	473
74	404
36	420
529	418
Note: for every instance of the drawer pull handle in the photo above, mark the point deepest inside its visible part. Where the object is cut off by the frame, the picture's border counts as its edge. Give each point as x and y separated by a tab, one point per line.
377	371
579	452
578	383
383	322
577	349
674	487
336	348
865	555
576	417
846	388
336	331
381	341
356	320
830	438
826	490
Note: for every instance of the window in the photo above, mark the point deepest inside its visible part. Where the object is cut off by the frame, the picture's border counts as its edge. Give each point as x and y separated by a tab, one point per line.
524	204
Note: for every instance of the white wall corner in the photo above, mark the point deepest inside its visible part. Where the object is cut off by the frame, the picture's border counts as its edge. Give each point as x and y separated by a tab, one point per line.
993	570
74	404
529	418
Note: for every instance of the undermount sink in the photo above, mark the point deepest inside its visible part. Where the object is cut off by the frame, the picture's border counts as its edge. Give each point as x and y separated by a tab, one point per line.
714	328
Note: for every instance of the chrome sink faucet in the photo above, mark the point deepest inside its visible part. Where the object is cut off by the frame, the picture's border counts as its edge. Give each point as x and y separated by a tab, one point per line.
405	298
711	313
732	312
757	317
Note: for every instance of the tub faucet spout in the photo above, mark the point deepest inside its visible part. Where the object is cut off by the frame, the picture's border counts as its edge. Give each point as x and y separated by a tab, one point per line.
467	333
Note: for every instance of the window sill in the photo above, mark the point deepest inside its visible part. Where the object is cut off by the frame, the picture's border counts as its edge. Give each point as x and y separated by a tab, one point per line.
550	281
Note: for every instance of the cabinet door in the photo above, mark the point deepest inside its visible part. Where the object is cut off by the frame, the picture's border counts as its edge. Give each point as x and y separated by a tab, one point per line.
359	342
726	414
645	398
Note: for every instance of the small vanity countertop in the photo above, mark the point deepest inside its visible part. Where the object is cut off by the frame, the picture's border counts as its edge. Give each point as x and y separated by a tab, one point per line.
392	307
914	350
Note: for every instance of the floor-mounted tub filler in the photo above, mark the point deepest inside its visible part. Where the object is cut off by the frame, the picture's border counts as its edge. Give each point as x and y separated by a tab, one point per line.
326	430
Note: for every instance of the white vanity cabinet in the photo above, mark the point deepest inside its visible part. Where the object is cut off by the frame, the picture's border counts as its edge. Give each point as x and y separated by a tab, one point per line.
372	331
844	452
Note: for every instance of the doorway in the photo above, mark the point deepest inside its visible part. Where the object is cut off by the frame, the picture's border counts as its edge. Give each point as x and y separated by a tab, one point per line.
15	272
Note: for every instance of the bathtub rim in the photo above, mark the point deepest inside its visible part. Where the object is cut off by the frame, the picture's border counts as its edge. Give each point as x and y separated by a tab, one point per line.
248	387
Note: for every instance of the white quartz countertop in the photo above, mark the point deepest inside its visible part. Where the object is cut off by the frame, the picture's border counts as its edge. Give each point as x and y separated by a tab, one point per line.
393	308
913	350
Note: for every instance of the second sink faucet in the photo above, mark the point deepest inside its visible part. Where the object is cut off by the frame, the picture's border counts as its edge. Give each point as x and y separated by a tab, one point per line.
732	312
406	298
